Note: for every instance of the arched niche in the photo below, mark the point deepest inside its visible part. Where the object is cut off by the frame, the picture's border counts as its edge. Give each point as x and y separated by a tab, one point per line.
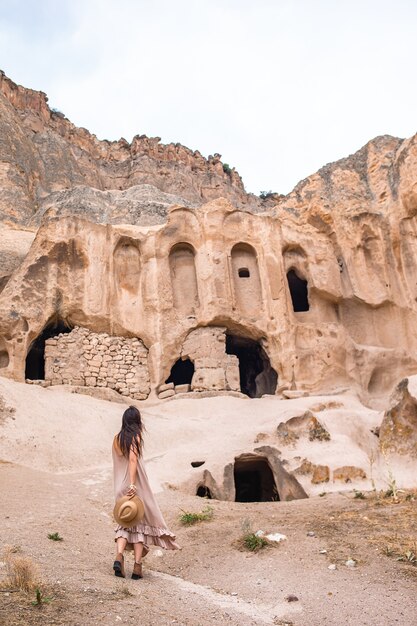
35	360
246	278
184	278
298	287
126	261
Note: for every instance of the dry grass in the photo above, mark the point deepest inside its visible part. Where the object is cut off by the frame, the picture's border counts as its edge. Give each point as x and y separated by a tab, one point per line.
21	572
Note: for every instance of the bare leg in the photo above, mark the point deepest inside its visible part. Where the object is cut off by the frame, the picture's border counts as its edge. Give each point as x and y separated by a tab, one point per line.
121	545
137	568
138	549
119	563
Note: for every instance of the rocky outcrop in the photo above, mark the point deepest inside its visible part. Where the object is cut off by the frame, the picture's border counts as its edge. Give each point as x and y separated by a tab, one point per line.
398	431
318	293
305	425
214	286
44	158
349	473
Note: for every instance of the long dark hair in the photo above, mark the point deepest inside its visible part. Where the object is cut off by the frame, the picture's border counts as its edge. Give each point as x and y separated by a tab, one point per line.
131	432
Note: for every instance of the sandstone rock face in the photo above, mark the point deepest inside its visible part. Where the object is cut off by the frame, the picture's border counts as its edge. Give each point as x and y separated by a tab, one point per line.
44	158
398	432
212	290
318	293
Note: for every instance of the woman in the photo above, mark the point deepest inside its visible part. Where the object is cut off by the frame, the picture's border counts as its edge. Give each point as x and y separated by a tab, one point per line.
130	479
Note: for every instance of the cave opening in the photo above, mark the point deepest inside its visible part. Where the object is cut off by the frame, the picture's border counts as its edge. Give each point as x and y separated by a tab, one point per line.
204	492
299	292
257	377
254	480
181	372
35	360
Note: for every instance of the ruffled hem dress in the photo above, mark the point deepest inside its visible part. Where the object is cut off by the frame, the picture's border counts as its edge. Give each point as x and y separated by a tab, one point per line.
152	530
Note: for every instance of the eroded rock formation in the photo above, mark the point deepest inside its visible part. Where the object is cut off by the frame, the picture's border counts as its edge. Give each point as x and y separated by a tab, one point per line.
48	163
398	432
319	292
213	286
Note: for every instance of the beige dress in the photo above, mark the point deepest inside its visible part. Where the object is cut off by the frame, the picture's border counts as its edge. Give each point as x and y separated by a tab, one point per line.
152	530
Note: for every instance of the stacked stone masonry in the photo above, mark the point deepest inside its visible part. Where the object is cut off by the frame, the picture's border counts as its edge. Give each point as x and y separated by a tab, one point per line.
84	358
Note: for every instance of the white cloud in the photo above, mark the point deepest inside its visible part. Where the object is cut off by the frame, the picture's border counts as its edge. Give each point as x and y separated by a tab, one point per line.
279	88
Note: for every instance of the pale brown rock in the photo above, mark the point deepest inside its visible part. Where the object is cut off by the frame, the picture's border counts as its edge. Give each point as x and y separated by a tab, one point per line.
182	388
321	474
349	473
398	431
169	393
306	425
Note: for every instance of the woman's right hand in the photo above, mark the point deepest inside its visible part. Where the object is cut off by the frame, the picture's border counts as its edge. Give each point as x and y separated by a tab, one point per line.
132	491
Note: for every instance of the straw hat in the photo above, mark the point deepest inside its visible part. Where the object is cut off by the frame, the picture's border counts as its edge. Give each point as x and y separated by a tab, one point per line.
128	512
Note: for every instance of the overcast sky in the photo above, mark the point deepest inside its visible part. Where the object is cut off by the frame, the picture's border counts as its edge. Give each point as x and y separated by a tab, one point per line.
278	87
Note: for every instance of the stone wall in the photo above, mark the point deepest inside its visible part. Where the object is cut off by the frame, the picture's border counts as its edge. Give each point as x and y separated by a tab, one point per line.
90	359
214	369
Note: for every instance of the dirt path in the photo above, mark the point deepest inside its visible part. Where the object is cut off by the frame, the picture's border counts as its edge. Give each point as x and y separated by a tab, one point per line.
209	580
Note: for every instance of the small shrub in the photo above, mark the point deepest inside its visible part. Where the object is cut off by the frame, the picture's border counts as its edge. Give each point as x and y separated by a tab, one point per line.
264	195
40	598
58	113
227	169
359	495
250	540
409	557
253	542
22	572
188	519
55	537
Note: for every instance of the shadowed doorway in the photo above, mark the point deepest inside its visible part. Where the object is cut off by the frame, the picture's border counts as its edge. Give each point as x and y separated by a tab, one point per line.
35	360
257	377
181	372
254	481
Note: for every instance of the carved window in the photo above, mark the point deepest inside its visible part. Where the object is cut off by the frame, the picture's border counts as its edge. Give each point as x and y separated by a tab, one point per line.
299	292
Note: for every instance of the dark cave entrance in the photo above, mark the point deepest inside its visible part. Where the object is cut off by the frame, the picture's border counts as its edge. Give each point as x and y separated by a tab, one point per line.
204	492
181	372
35	360
254	481
257	377
299	292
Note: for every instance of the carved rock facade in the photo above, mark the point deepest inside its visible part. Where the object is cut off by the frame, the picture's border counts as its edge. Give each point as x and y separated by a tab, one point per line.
223	289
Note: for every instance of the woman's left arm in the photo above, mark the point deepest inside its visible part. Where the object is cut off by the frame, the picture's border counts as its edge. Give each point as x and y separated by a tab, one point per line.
133	462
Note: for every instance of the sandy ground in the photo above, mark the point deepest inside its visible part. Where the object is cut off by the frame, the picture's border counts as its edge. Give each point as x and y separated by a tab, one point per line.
55	476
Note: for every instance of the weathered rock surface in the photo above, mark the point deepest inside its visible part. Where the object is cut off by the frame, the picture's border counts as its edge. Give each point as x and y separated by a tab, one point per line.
43	155
349	473
306	425
398	432
319	292
220	276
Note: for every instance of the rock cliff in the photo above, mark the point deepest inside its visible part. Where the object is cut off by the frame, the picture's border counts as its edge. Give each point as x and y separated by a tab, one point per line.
318	291
44	158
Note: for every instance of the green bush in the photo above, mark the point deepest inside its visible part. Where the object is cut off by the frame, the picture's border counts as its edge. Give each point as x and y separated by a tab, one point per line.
188	519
